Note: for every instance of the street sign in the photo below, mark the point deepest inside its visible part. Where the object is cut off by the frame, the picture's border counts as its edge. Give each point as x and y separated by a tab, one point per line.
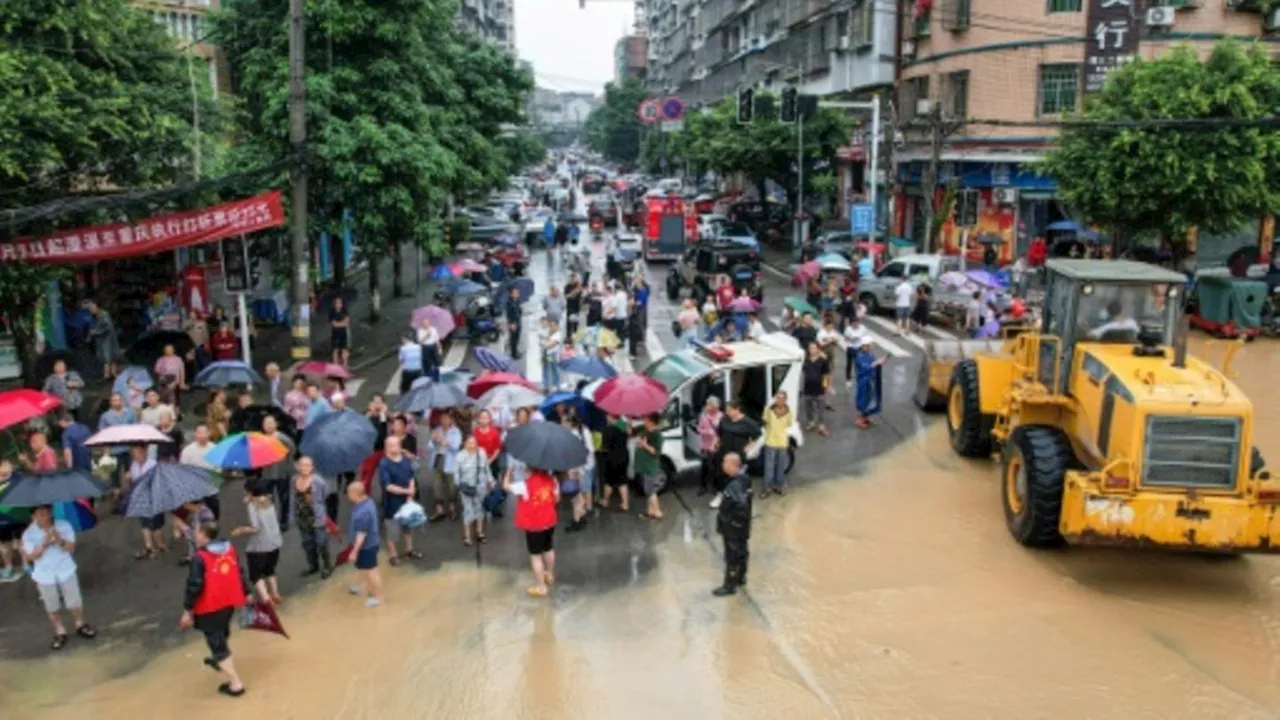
649	111
672	125
862	218
235	264
672	108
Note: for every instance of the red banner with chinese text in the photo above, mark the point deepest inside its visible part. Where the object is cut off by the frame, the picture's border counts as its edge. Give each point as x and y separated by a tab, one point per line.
151	235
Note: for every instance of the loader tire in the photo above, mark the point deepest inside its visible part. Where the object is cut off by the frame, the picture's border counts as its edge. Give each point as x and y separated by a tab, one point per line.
1036	460
969	429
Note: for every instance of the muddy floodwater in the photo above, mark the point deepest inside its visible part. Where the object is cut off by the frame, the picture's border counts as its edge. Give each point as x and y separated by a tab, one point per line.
894	592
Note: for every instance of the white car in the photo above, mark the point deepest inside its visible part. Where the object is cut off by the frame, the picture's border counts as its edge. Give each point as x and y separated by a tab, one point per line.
708	225
535	224
752	373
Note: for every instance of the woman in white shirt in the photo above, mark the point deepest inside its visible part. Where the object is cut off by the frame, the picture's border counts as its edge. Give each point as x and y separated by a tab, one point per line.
551	345
429	339
829	341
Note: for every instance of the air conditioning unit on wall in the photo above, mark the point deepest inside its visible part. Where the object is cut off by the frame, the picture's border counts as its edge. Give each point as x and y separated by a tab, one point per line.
1160	17
924	106
1271	21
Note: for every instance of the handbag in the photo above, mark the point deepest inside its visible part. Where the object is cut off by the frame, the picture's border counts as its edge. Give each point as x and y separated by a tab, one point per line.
468	490
494	500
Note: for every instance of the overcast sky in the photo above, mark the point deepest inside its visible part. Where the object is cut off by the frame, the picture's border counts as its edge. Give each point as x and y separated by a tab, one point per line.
571	48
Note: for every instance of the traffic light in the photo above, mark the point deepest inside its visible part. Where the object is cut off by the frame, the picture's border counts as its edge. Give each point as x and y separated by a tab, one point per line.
788	111
746	105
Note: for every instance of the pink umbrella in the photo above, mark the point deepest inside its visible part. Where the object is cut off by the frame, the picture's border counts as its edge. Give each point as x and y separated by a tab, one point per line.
805	273
127	435
439	318
744	305
324	369
466	265
632	395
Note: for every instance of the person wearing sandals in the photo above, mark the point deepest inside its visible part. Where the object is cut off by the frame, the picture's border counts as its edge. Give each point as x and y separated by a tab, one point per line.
396	476
310	516
364	543
446	440
474	478
777	422
649	465
262	552
152	527
48	546
217	585
536	500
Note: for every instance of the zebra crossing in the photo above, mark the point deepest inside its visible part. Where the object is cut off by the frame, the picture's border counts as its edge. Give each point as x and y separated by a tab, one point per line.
547	269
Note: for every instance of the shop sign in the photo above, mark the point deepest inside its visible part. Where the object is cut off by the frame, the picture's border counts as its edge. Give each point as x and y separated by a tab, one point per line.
152	235
1111	39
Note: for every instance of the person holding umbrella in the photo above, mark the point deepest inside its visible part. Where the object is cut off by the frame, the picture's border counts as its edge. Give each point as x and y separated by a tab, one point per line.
649	465
216	585
117	414
48	546
536	500
275	477
152	527
311	517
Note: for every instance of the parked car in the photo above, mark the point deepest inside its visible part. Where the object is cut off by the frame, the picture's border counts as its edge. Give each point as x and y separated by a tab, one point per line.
876	292
606	207
702	264
485	225
735	232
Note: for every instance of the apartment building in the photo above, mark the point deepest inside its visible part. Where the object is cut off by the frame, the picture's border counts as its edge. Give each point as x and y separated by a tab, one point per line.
491	20
185	22
630	57
1027	61
553	108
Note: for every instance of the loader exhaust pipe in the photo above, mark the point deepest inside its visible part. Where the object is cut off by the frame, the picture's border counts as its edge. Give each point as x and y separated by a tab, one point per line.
1181	328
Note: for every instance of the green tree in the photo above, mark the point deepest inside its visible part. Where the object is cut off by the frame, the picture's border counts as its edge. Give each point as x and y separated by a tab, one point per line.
522	150
1173	178
613	129
765	149
94	96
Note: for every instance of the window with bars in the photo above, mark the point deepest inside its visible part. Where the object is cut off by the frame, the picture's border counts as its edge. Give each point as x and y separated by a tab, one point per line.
865	24
1059	87
922	23
917	88
1059	6
957	99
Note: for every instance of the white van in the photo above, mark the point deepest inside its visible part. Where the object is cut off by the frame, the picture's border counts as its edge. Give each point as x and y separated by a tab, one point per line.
751	375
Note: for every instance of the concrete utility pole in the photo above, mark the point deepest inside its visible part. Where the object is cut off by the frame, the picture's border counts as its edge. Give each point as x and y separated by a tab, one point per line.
873	158
301	348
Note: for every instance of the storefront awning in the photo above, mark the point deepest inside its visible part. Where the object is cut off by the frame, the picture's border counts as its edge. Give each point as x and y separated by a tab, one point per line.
151	235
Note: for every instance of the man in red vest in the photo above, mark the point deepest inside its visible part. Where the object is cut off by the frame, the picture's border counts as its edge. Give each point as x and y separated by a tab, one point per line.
217	584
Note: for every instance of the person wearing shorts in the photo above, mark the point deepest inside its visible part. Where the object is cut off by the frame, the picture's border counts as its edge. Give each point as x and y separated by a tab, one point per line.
903	296
340	332
365	538
49	545
649	465
396	477
536	516
265	539
217	586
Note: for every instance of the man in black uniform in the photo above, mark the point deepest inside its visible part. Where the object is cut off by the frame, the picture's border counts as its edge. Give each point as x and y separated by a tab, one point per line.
733	522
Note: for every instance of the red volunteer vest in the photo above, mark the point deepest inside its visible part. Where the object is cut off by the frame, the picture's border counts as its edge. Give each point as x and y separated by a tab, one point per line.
222	588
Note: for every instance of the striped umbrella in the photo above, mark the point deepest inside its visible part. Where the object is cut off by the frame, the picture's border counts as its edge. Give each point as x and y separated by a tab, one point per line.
495	361
168	486
228	372
247	451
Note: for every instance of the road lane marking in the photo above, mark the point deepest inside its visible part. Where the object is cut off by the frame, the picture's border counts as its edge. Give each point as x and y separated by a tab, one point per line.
887	345
457	353
393	385
769	268
653	346
938	333
893	330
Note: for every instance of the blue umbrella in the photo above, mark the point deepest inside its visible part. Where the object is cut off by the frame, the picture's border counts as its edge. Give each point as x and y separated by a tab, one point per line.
228	372
433	396
339	441
458	286
456	376
440	272
139	375
168	486
1064	226
547	408
495	361
587	366
523	286
50	488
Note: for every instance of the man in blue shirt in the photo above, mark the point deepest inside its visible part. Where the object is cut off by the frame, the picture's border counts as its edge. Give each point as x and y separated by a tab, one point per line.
318	406
410	362
74	453
514	314
364	544
549	231
396	475
118	414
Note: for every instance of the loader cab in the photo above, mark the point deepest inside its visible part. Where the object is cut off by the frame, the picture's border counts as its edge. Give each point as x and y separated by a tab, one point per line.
1107	302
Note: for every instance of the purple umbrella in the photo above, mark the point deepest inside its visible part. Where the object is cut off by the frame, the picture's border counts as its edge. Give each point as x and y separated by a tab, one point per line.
496	361
439	318
984	278
744	305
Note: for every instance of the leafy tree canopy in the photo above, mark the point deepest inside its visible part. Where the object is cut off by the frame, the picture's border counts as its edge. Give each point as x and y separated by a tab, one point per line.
613	129
1173	178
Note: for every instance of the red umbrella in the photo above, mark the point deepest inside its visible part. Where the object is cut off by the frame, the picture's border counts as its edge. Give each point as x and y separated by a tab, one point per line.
325	369
631	395
19	406
485	383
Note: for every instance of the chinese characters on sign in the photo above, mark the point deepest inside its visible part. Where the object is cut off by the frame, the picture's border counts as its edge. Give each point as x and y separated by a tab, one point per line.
1111	39
151	235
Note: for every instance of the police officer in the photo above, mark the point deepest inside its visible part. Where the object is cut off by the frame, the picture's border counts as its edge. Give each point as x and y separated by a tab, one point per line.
733	522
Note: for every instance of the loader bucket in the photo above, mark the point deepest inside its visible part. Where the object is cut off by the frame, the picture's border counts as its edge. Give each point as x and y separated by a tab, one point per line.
940	356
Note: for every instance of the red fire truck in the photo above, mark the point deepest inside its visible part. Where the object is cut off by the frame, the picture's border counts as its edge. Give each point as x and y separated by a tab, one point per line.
670	226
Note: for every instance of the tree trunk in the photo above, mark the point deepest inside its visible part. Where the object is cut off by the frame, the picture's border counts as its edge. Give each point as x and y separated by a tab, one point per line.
338	258
397	270
375	299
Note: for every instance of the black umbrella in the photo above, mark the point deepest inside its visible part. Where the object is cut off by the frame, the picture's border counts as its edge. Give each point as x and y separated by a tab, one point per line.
432	396
250	419
338	442
546	446
35	489
168	486
150	347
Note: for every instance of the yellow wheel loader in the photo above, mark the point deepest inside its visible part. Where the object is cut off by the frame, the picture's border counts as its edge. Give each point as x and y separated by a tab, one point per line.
1107	432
